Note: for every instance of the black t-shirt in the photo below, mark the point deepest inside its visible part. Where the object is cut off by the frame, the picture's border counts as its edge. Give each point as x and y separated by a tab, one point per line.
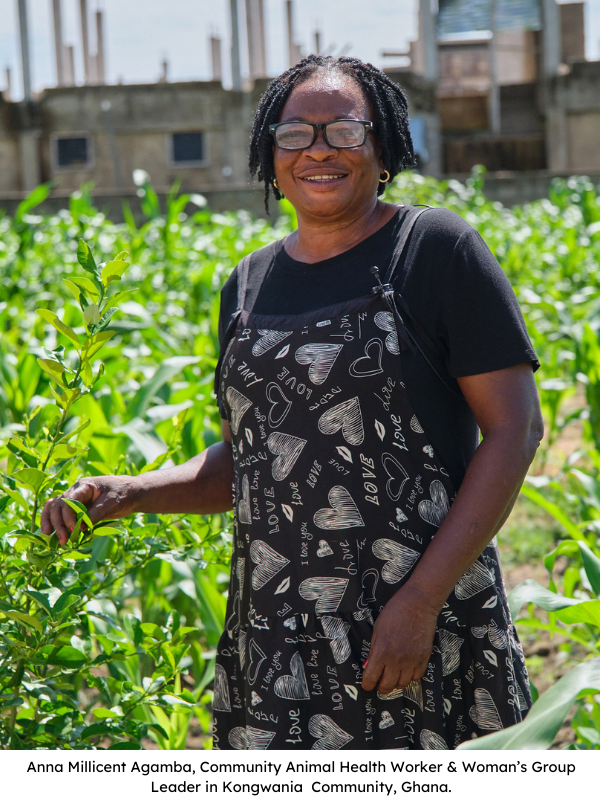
455	290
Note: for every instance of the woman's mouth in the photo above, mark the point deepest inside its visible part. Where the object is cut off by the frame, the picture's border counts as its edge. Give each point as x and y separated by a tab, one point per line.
325	178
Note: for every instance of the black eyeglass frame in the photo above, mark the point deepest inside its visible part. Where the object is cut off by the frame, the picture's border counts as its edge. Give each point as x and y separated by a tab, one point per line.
367	124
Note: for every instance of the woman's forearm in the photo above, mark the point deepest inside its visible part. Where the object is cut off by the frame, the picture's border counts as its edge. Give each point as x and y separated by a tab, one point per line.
200	486
483	503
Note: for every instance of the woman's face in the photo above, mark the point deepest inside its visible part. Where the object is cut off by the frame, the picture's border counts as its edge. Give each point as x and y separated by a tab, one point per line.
323	181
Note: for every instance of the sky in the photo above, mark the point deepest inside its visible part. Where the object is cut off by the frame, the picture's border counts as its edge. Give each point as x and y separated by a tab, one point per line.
141	33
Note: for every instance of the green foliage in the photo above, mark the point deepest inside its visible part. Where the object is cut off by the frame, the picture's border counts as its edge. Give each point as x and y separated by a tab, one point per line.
107	368
86	659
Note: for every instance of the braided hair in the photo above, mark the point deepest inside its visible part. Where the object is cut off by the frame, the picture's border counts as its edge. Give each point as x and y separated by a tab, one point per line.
386	97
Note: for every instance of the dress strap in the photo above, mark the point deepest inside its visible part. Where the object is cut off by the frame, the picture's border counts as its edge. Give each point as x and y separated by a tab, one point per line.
411	217
409	339
243	269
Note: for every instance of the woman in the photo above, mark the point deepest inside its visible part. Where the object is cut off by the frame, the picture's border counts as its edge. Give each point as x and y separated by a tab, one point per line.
351	415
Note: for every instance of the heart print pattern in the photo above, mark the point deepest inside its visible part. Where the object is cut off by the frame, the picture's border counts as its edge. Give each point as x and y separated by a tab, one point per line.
338	492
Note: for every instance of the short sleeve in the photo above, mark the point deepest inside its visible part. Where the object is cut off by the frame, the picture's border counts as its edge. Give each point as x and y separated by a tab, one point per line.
479	319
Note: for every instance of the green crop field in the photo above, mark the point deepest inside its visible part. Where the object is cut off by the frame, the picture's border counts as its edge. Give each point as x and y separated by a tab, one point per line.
108	343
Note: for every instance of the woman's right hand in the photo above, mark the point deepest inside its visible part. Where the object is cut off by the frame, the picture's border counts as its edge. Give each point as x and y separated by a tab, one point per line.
105	497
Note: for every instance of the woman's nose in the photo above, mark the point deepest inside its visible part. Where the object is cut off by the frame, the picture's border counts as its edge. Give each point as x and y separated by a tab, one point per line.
320	149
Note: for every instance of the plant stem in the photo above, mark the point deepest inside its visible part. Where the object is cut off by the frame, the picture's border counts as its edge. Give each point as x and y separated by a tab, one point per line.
52	446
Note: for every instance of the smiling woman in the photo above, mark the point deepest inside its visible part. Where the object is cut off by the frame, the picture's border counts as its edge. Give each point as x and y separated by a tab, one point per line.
360	357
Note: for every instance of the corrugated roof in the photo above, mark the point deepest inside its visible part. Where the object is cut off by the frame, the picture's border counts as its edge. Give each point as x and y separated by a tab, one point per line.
459	16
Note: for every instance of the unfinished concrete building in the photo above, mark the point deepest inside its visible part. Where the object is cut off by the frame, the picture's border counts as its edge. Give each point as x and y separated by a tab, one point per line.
194	132
514	92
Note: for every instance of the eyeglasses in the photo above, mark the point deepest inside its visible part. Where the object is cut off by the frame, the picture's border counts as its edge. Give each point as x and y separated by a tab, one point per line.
342	133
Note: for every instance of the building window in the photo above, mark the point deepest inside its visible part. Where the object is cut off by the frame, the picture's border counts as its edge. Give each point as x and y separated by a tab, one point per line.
188	148
72	152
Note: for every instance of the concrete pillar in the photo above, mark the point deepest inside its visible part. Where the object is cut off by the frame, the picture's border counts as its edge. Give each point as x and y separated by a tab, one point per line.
164	76
551	44
25	52
100	54
69	61
428	40
494	91
236	69
318	42
290	33
255	26
556	139
59	48
30	159
215	57
85	41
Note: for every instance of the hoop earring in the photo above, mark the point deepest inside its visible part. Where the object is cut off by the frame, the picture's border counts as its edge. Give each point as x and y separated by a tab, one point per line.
386	179
275	184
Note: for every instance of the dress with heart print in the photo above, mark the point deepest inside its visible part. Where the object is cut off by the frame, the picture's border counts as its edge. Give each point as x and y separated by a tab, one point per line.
338	491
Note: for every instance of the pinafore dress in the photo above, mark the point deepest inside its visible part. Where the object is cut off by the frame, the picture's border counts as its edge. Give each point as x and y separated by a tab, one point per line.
338	491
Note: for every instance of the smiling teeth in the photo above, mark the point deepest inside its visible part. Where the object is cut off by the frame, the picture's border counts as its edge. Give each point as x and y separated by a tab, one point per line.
322	177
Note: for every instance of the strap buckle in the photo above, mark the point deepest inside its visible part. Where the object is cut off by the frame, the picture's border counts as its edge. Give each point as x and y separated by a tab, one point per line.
381	287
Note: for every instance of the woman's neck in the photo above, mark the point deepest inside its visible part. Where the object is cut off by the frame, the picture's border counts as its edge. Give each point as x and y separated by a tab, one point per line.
317	240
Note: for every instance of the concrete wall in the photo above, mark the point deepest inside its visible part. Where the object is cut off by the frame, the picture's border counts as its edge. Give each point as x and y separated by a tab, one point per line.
517	56
422	102
465	65
138	127
130	127
572	119
572	32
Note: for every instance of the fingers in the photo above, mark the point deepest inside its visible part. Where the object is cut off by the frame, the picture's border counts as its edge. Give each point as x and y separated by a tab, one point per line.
57	522
58	516
389	677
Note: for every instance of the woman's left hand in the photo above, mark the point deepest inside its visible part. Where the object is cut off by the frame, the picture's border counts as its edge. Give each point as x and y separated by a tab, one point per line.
402	643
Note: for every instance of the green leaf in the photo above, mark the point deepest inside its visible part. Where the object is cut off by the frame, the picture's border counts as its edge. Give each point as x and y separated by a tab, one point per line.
65	656
9	701
80	510
565	548
540	726
73	288
591	565
46	599
109	530
64	451
18	444
18	498
66	600
27	619
88	285
86	259
104	713
586	611
530	591
591	734
96	729
50	316
158	729
37	196
557	512
167	370
126	746
91	315
113	271
31	478
52	368
97	342
75	432
104	321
